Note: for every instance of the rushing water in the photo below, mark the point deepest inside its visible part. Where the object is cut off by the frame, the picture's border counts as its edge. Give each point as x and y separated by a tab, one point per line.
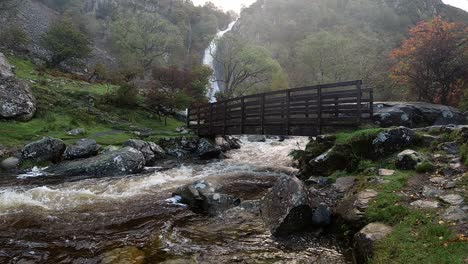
208	59
130	220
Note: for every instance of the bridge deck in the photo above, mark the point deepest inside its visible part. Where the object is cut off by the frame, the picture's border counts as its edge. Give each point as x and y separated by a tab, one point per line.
301	111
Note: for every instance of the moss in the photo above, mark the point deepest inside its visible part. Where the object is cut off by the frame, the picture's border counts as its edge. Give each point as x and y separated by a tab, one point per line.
424	167
464	153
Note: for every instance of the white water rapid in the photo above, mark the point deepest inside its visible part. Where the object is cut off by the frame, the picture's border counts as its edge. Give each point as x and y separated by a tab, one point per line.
209	60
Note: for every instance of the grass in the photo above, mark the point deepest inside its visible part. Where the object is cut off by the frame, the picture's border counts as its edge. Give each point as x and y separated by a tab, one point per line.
64	104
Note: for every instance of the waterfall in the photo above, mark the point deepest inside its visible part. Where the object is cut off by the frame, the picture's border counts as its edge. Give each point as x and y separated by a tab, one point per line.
209	61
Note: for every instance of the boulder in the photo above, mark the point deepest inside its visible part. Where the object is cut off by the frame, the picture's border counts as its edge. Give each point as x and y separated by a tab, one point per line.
76	132
10	163
5	67
83	148
256	138
150	150
364	198
339	157
365	240
16	100
389	141
181	147
116	163
227	143
452	199
44	150
416	114
408	159
344	184
455	214
203	197
287	207
207	150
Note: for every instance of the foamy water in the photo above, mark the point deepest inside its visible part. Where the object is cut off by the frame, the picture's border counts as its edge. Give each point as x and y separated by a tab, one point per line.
253	158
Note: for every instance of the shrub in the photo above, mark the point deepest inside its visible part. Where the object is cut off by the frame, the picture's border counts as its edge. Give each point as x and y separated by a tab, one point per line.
13	37
126	95
424	167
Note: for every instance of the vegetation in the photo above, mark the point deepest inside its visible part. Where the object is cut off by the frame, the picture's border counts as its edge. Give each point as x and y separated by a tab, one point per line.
13	37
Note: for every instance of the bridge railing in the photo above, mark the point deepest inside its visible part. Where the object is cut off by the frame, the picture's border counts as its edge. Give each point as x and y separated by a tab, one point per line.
303	111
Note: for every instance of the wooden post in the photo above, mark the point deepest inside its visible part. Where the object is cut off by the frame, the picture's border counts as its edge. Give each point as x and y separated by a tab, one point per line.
358	103
288	103
198	121
319	107
242	115
211	120
337	111
371	105
262	114
307	108
188	118
225	119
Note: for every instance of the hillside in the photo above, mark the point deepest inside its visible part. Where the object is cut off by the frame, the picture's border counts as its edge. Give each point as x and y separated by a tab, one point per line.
335	40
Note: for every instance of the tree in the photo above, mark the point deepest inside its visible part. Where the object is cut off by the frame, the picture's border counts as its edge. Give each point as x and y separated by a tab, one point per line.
245	69
65	43
433	61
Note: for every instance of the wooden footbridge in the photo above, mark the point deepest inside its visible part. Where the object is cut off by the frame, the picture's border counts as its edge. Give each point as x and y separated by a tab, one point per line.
304	111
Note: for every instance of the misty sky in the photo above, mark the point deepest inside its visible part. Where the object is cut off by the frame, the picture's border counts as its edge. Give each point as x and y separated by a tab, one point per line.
237	4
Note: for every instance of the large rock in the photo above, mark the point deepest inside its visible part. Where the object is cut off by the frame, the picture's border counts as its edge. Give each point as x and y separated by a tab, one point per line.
182	147
256	138
116	163
5	67
10	163
207	150
203	197
227	143
16	100
408	159
83	148
44	150
365	240
409	114
150	150
393	140
287	207
339	157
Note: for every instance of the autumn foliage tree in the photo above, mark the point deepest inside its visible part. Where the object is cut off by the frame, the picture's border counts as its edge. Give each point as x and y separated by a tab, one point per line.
433	61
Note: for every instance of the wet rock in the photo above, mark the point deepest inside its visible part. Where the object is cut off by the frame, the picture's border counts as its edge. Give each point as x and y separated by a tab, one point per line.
83	148
125	161
203	197
181	148
207	150
365	240
385	172
10	163
425	204
227	143
77	132
450	147
408	159
16	100
429	191
150	150
454	213
387	142
322	215
453	199
44	150
364	198
256	138
408	114
344	184
287	207
5	67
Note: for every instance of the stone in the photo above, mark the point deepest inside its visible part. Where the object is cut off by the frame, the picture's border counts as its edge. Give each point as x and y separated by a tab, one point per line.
454	213
417	114
408	159
77	132
344	184
450	147
10	163
181	148
227	143
437	180
207	150
83	148
453	199
425	204
429	191
16	100
322	181
385	172
450	185
364	198
203	197
335	159
322	215
5	67
396	139
150	150
44	150
287	207
256	138
365	240
125	161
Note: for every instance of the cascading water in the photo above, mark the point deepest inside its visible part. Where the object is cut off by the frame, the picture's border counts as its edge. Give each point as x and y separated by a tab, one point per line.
208	59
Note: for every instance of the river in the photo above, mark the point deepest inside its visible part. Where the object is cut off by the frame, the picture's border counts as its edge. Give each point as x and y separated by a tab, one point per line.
129	219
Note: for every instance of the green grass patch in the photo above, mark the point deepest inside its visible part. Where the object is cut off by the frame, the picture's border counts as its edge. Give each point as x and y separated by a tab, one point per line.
424	167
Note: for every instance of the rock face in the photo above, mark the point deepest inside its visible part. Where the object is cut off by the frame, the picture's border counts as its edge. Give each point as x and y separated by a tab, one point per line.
16	100
150	150
389	114
408	159
83	148
287	207
5	68
364	240
202	197
44	150
393	140
121	162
